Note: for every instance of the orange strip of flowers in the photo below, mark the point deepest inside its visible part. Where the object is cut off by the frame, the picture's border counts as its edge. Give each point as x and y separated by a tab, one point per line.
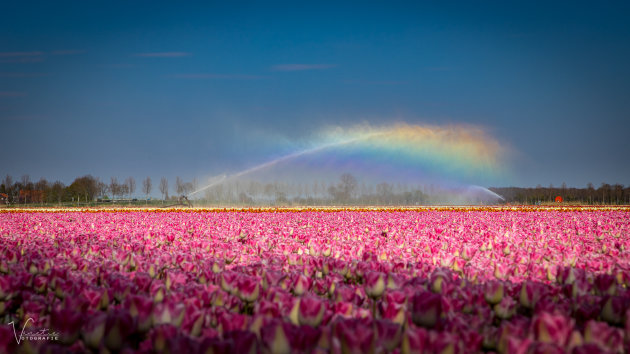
573	208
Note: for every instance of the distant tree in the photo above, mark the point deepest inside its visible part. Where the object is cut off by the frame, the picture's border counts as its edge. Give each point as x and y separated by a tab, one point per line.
25	180
347	186
57	193
124	189
188	187
618	192
130	184
7	187
42	187
114	187
590	191
84	188
179	186
146	186
164	188
605	192
385	192
103	189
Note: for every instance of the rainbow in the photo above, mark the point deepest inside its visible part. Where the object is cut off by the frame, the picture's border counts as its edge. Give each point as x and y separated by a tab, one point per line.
417	154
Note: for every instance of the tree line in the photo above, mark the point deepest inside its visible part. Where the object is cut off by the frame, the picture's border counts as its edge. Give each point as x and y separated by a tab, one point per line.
346	191
604	194
85	188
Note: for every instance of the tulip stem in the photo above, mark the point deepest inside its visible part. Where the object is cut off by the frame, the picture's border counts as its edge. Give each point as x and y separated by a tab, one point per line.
374	308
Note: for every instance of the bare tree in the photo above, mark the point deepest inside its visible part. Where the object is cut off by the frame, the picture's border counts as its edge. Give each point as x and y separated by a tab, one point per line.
130	182
164	188
179	186
26	179
347	186
102	189
8	187
146	186
114	187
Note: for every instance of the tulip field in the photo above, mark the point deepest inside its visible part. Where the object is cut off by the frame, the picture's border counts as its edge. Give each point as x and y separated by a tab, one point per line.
441	280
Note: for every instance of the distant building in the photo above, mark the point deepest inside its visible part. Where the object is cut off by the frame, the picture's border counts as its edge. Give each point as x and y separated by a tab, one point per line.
4	198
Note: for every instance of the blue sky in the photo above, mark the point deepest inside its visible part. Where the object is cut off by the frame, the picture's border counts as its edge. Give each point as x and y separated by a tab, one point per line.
157	89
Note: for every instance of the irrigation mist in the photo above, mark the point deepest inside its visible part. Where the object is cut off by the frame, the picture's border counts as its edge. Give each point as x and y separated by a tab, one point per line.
397	164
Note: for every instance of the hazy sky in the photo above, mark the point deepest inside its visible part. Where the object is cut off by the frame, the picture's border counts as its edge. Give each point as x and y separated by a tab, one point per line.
129	88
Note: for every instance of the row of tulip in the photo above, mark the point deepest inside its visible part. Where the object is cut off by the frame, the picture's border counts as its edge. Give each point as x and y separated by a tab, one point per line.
348	281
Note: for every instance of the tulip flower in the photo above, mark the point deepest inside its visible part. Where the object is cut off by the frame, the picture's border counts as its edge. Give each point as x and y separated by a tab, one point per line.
614	309
168	312
274	338
248	289
141	309
301	284
388	334
119	326
374	284
354	336
426	309
506	308
493	292
552	328
67	322
311	311
605	337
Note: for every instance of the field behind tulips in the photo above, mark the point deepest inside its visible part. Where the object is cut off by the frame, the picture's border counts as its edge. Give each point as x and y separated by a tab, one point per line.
445	280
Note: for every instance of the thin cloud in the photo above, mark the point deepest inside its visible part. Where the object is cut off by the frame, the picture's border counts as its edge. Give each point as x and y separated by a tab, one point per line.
67	52
375	82
20	54
23	74
217	76
12	94
301	67
21	57
22	60
163	54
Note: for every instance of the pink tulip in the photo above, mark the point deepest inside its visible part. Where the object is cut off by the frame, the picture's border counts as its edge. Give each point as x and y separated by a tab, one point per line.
248	289
354	336
493	292
414	340
588	348
438	278
301	284
274	338
614	309
445	342
388	334
229	281
141	309
607	338
175	279
426	309
606	284
119	326
374	284
506	308
529	294
67	322
311	311
244	342
6	287
552	328
230	321
168	312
